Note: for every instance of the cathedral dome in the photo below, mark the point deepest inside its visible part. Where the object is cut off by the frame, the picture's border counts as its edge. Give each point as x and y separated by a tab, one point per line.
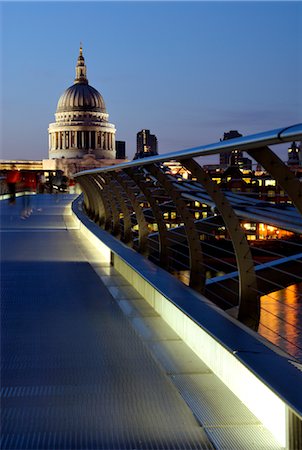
81	97
81	127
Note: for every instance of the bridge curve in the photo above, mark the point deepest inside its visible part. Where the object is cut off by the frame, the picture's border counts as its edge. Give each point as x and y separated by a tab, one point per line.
87	363
243	297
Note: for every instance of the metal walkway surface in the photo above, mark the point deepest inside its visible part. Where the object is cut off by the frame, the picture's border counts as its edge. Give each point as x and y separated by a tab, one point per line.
86	363
75	375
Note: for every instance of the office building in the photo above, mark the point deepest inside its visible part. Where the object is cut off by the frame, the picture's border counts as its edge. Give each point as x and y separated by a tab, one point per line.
146	144
120	148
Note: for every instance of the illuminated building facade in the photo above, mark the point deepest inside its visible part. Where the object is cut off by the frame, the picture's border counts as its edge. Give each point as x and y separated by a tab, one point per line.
81	127
234	158
146	144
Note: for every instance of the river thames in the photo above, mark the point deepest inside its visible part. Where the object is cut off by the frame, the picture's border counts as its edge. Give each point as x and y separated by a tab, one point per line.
281	319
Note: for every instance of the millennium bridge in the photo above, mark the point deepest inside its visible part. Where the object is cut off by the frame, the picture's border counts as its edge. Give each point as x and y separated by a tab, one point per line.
140	314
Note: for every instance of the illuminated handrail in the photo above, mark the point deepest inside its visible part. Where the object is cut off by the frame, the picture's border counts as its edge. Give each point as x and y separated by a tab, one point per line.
105	190
244	143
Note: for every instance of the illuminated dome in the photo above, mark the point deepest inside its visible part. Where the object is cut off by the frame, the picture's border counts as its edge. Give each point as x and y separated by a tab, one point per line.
81	97
81	125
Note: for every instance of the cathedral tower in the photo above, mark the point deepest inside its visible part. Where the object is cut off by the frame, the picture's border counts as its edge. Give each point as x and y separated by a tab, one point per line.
81	125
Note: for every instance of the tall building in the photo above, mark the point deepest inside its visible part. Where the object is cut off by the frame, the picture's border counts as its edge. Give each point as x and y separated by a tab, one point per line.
146	144
294	155
230	158
120	147
81	127
235	157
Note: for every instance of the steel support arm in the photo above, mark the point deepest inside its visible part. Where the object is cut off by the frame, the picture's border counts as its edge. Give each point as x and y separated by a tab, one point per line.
249	303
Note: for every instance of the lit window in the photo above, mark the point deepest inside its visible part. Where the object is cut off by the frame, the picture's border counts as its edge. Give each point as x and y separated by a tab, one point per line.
270	228
249	226
270	182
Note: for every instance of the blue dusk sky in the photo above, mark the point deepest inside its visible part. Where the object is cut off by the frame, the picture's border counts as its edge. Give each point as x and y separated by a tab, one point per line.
188	71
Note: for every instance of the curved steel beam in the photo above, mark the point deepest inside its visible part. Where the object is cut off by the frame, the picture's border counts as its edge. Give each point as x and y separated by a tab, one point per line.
100	214
164	247
100	181
93	197
280	171
143	230
126	235
249	302
86	192
106	182
197	272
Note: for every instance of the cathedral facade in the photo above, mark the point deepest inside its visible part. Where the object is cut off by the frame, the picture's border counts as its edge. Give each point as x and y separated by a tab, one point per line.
81	127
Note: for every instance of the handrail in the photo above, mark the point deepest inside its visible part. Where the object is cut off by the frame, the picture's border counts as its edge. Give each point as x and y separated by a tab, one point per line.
277	136
265	380
140	179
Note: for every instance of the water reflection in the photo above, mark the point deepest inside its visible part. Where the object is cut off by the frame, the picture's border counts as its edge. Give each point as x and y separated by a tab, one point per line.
280	322
281	315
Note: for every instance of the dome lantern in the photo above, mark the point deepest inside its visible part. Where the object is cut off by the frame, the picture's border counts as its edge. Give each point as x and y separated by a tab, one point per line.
81	70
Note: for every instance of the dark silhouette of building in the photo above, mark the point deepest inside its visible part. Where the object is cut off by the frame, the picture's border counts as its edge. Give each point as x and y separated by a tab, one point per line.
120	148
294	155
227	158
146	144
235	157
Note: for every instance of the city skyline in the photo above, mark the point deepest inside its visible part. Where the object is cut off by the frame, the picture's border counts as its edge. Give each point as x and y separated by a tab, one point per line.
187	71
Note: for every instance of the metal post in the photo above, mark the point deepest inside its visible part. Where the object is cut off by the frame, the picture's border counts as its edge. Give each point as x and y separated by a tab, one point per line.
143	230
249	303
282	174
164	248
197	272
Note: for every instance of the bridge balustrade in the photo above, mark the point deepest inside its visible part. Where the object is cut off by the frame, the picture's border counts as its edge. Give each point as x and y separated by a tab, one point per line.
178	223
136	201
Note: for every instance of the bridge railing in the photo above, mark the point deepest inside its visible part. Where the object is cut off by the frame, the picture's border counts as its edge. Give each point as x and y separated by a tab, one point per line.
131	201
266	381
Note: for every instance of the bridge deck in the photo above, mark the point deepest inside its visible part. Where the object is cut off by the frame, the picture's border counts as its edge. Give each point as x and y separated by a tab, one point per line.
77	373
